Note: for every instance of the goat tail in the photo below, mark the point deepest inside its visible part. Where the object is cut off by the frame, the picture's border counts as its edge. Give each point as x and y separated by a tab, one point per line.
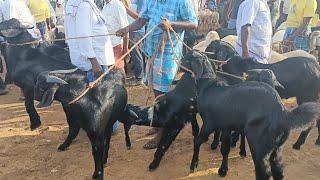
303	116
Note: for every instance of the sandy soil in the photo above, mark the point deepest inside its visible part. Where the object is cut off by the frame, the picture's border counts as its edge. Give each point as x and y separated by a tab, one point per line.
26	154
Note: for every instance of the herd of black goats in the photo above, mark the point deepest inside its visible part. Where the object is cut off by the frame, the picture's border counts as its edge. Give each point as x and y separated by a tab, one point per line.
230	107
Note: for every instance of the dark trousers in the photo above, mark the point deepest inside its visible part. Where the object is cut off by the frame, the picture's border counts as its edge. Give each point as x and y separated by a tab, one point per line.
137	57
2	85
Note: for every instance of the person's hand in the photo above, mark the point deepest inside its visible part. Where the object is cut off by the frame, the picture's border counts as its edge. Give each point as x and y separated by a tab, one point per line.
122	32
164	24
96	68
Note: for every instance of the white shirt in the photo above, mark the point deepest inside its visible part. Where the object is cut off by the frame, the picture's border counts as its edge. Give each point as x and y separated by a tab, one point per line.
17	9
116	18
83	19
257	14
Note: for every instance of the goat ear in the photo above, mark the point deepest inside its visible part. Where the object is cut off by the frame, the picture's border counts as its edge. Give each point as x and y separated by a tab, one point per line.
197	67
47	97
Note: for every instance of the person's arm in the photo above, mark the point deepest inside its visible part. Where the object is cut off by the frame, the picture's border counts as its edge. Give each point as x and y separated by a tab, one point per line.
136	25
245	32
188	15
246	16
123	20
132	13
83	29
48	16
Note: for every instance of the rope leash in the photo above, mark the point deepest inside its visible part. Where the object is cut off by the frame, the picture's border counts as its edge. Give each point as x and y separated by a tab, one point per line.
94	83
61	39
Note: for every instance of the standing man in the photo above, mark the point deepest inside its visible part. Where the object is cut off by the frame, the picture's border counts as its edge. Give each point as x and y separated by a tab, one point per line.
116	18
254	30
137	57
181	17
300	14
41	13
93	54
232	19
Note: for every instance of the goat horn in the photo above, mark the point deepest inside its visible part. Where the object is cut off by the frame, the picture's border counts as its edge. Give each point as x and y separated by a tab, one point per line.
67	71
55	79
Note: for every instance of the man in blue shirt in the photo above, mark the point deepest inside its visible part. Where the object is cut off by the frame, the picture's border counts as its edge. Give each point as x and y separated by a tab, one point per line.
181	17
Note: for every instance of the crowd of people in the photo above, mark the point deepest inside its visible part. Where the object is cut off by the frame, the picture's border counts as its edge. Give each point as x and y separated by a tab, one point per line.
254	22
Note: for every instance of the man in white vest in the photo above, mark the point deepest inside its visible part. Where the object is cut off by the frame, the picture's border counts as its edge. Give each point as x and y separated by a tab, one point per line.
92	54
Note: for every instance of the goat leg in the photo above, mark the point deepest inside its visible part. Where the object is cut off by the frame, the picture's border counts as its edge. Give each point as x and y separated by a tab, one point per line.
29	104
168	136
195	127
216	138
98	143
127	127
73	129
107	145
318	140
73	132
302	139
243	152
201	138
234	138
225	150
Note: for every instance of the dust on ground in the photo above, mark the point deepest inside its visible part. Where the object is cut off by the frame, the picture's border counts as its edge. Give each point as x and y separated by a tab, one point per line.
26	154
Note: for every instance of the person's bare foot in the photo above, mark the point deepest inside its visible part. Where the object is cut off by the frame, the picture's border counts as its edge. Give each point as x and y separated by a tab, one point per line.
3	92
153	143
152	131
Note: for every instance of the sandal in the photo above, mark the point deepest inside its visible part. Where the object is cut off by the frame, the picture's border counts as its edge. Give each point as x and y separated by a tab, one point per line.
152	131
152	144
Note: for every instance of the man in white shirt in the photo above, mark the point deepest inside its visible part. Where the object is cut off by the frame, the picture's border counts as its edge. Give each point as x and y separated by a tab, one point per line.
254	29
91	54
116	18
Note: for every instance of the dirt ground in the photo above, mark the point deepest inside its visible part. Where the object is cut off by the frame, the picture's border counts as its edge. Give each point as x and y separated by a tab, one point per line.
26	154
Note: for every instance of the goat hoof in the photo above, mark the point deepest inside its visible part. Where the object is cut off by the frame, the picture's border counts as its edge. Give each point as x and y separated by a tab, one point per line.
223	172
153	165
35	125
193	167
296	147
214	146
129	147
62	147
318	142
97	176
243	154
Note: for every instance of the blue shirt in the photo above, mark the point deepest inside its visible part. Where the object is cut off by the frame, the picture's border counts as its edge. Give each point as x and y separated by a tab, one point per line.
177	10
174	10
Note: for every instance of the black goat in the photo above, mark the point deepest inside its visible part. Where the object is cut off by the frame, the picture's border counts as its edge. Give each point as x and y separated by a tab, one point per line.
221	50
25	63
253	106
300	76
178	107
95	112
